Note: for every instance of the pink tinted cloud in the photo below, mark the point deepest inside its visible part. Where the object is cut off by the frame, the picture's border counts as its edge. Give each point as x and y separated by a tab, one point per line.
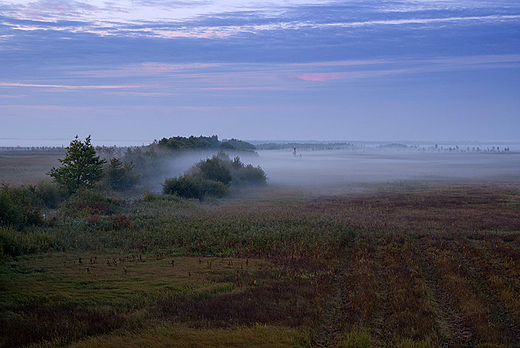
242	88
320	77
340	63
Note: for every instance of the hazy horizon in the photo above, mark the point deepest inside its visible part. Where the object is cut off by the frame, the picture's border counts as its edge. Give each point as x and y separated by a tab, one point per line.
130	71
11	142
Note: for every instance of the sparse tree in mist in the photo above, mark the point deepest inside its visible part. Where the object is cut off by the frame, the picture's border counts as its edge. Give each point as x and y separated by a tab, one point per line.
120	175
81	168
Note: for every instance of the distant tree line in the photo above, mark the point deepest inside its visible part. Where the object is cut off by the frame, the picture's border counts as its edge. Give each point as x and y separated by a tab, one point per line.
52	149
182	143
201	142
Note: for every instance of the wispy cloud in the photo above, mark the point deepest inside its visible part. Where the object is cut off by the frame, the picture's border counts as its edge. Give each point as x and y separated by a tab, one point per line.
70	87
171	4
63	9
344	75
417	66
142	94
226	31
82	17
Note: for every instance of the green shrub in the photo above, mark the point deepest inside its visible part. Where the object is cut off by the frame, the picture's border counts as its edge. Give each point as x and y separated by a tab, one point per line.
213	176
15	243
11	214
247	175
149	196
20	207
214	169
120	175
185	186
50	194
87	202
189	186
215	188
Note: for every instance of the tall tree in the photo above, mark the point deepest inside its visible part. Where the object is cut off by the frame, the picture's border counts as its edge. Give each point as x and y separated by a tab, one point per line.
81	168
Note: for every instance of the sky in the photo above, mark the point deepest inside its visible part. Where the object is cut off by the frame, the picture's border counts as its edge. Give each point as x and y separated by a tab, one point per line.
127	72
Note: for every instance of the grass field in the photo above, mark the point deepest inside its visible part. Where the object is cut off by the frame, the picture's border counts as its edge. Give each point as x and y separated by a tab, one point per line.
26	167
402	265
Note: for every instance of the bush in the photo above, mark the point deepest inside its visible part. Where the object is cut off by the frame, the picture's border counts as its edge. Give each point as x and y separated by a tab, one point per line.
120	175
189	186
247	175
11	214
215	188
19	207
50	194
88	202
213	169
15	243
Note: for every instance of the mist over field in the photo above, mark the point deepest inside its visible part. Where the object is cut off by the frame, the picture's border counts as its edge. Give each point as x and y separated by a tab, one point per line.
348	167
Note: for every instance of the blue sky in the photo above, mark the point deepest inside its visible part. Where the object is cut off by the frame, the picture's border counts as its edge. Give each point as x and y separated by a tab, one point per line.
131	71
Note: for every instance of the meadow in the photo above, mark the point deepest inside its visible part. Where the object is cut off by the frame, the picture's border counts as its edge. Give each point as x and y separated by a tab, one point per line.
400	264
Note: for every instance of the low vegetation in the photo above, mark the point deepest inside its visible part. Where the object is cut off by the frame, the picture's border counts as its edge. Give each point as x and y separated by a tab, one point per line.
403	265
213	177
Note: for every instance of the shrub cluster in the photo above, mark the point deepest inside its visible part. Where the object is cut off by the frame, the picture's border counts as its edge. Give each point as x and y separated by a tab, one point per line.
119	175
22	206
16	243
213	177
247	175
87	202
190	186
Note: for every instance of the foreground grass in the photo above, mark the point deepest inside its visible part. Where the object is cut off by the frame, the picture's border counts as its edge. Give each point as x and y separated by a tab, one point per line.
62	297
175	336
417	266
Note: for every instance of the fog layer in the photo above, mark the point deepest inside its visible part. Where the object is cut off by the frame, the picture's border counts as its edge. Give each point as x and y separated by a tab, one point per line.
332	168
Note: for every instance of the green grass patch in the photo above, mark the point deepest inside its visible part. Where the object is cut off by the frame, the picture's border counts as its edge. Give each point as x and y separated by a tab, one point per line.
176	336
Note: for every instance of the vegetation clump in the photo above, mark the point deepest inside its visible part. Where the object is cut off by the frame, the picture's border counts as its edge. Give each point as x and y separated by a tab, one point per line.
178	143
22	206
189	186
214	177
81	168
202	142
234	144
119	175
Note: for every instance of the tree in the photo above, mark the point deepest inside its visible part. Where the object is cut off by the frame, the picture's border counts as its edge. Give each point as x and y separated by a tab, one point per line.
81	168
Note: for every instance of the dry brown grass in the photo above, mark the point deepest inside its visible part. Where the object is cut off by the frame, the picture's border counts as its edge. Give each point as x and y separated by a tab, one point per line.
428	267
24	168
